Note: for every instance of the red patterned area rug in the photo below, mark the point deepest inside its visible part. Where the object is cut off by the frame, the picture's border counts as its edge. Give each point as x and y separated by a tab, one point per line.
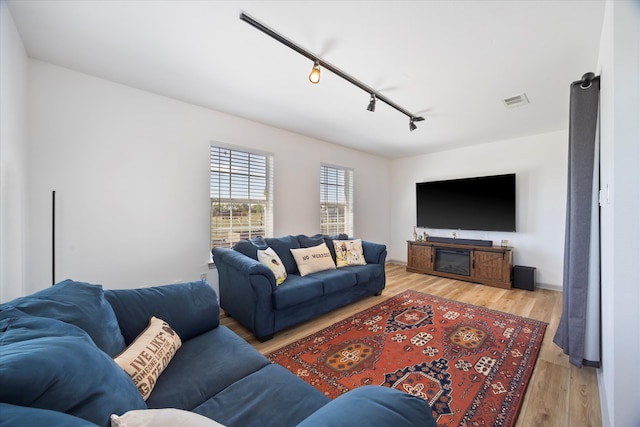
470	363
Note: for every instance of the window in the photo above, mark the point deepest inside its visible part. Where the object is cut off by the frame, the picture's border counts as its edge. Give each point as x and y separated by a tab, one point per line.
336	200
241	195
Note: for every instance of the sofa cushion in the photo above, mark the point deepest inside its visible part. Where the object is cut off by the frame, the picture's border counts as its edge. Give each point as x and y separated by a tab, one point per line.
272	396
203	367
349	252
78	303
53	365
310	241
14	415
198	302
149	354
365	273
296	290
167	417
283	246
311	260
381	405
336	280
251	247
271	259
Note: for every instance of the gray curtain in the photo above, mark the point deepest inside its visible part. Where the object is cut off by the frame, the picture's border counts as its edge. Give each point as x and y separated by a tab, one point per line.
578	332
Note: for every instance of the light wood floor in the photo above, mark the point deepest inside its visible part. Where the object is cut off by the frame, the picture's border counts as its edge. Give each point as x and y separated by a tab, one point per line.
558	394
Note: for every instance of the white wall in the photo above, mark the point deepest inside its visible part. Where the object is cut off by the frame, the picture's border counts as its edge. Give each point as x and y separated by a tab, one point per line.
619	377
540	164
131	175
13	157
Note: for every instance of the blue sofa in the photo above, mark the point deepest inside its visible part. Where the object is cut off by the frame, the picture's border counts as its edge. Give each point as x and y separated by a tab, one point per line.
249	294
57	368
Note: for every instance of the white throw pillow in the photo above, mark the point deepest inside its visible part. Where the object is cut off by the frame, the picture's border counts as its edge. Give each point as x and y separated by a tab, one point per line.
349	252
311	260
168	417
149	354
270	258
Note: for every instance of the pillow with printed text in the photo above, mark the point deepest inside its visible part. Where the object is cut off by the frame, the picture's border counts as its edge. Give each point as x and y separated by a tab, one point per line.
313	259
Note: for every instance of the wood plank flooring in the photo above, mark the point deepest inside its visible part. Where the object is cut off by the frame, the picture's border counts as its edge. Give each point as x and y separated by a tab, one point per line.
558	395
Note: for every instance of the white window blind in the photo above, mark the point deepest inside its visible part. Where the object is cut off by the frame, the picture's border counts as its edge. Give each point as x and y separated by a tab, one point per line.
336	200
241	185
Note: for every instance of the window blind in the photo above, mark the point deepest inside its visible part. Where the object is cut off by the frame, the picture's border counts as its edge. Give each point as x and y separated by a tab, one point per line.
241	184
336	200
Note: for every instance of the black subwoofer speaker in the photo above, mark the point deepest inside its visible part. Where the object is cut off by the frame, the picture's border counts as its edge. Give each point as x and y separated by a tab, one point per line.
524	277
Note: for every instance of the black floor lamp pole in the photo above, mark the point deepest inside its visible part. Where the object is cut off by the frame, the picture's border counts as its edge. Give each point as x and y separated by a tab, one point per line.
53	238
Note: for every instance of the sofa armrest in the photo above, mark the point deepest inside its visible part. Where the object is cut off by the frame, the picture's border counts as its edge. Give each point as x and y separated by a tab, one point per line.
189	308
374	253
246	290
373	405
236	268
239	261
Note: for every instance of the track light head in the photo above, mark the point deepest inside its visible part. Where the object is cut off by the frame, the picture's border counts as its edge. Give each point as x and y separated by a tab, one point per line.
412	120
314	75
372	103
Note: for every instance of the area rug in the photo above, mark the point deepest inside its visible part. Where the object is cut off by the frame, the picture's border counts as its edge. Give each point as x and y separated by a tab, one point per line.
471	364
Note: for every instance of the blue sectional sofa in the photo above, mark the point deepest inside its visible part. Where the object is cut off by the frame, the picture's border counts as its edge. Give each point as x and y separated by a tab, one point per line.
248	290
57	367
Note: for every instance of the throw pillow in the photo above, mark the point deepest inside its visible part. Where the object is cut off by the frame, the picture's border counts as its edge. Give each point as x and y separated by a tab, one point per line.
311	260
328	239
349	252
149	354
271	259
166	417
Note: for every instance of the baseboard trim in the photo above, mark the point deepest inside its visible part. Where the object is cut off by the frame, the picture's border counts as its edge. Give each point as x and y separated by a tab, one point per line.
549	287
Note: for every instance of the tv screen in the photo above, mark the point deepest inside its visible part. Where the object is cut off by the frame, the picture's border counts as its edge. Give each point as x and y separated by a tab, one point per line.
482	203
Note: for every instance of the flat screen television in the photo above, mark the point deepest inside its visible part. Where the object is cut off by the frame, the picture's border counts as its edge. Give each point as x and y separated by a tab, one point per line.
485	203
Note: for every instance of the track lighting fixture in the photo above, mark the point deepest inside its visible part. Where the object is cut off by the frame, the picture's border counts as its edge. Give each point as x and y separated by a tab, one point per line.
372	103
412	120
314	76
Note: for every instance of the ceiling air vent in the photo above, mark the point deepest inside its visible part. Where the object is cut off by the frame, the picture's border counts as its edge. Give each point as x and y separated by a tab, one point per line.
516	101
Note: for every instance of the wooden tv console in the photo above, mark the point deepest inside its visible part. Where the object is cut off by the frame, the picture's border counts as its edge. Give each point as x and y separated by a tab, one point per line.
489	265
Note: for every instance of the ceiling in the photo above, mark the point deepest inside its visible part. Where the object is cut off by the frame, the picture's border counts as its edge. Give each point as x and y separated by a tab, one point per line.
452	62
